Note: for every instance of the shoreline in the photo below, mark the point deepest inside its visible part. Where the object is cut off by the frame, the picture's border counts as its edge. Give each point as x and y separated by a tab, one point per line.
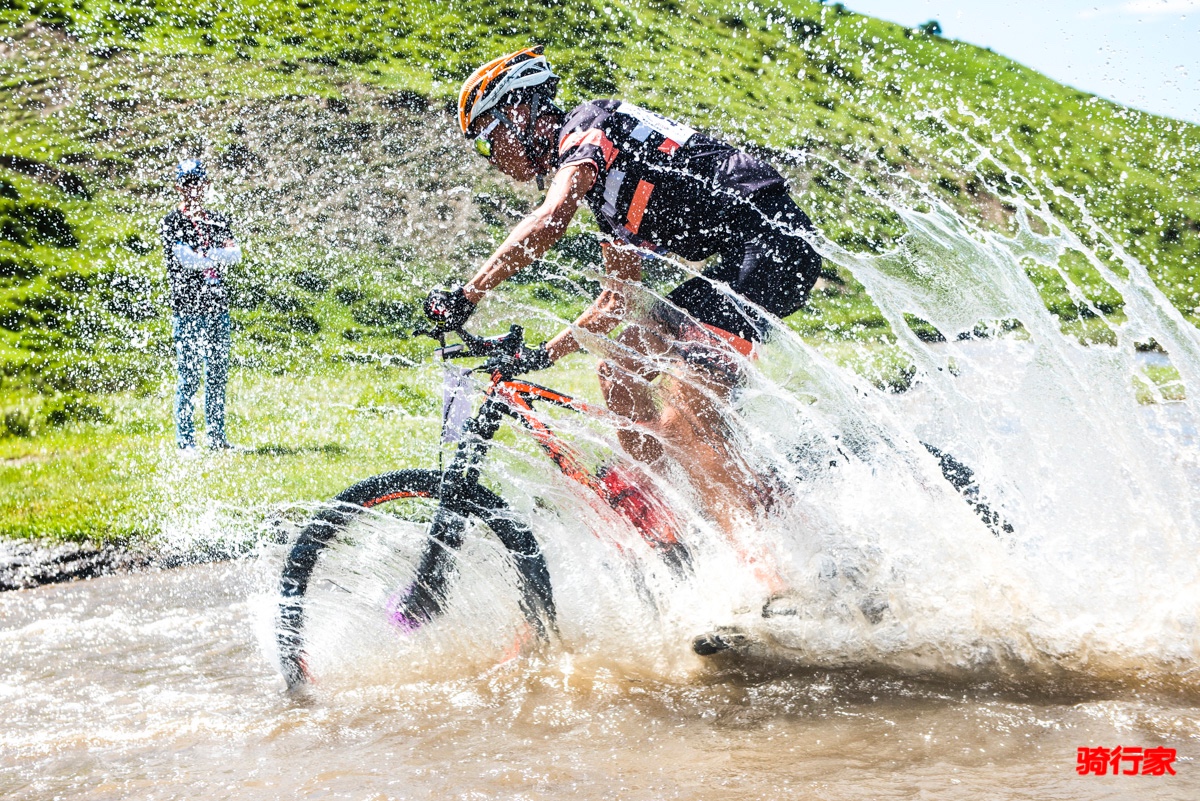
29	563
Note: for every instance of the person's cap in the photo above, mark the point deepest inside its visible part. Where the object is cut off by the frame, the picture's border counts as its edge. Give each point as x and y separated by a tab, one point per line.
190	171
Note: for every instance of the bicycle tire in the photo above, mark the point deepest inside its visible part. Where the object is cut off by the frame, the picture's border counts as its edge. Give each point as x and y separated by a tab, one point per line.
474	501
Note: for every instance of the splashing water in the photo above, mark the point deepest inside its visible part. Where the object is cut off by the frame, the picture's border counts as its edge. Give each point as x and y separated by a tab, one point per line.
931	644
1096	574
1091	574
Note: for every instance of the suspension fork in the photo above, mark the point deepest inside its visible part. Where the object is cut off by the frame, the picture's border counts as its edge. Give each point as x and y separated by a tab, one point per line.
421	602
464	468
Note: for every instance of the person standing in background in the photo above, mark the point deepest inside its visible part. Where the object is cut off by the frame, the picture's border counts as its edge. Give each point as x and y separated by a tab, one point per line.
198	245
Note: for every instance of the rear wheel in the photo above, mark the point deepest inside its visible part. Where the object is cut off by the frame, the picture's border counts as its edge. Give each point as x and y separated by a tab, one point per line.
413	494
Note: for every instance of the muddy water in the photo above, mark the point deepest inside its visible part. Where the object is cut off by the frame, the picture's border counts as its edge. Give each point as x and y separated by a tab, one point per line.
155	686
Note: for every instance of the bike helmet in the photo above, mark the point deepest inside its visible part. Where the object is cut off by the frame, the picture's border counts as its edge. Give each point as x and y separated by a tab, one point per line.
523	70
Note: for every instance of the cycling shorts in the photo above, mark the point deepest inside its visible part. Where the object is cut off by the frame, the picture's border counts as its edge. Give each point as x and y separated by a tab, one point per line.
765	260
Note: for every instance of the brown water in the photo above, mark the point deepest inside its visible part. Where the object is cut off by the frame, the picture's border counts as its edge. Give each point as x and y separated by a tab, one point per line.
155	686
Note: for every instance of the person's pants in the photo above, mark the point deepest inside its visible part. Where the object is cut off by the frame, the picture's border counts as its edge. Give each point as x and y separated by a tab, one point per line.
201	342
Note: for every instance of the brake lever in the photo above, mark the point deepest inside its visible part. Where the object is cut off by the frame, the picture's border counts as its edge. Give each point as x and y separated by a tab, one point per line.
437	332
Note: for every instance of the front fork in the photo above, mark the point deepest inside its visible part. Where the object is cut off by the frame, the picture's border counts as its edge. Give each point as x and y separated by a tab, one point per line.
425	598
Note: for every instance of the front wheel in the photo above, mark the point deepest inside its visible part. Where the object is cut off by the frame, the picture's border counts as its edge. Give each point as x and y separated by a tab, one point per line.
423	601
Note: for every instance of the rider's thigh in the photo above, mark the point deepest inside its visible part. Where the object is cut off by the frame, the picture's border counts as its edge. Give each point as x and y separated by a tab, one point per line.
645	336
640	350
700	395
626	392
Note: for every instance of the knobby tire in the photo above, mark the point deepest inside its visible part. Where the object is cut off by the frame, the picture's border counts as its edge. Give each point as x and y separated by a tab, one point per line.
435	566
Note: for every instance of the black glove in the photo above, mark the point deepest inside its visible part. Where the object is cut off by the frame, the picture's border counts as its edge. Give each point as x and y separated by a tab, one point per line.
530	359
525	360
449	308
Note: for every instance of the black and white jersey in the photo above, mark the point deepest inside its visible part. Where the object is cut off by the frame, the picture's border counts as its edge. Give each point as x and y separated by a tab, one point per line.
660	184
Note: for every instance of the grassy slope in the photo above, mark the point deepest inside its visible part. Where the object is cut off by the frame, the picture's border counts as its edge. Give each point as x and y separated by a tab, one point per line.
347	180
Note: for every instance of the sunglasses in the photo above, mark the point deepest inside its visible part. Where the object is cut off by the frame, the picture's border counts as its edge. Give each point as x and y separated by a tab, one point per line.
483	142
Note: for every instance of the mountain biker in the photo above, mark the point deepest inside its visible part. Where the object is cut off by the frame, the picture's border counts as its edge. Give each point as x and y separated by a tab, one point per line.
655	186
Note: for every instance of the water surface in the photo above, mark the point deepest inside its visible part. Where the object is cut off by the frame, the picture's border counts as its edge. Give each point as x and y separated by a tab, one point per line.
155	686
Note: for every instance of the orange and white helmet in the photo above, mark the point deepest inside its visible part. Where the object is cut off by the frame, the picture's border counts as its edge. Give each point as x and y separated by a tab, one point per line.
488	85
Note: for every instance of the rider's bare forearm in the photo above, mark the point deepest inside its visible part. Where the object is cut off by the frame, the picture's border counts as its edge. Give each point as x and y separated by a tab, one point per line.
529	241
622	268
534	235
601	317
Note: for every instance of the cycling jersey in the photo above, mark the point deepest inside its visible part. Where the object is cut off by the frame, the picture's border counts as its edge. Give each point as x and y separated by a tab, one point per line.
660	184
765	259
664	186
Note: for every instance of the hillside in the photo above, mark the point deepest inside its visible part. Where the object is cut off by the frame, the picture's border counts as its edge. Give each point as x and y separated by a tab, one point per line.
334	151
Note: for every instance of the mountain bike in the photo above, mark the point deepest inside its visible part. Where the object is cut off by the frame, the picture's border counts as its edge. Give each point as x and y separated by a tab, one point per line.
614	488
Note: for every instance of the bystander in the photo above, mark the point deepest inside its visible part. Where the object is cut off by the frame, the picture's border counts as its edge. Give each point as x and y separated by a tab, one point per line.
198	245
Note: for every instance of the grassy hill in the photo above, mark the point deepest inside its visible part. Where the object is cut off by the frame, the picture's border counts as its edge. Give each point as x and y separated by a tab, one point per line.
328	127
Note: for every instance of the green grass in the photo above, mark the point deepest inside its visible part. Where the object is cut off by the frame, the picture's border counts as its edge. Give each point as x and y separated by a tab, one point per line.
308	436
326	124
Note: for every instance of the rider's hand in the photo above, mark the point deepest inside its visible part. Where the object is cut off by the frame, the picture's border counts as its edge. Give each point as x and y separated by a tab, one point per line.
525	360
530	359
449	308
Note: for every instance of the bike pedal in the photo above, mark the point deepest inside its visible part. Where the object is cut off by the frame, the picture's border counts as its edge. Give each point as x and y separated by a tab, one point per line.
781	606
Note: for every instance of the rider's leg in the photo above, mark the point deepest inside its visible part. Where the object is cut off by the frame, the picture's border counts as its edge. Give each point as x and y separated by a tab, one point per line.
706	371
687	418
630	396
769	262
694	423
693	420
625	380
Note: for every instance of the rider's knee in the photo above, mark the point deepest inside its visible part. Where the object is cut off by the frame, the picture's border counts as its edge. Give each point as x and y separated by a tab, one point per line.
612	380
641	446
673	424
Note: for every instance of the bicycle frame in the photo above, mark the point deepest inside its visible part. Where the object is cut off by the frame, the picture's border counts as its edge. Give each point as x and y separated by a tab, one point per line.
459	495
515	398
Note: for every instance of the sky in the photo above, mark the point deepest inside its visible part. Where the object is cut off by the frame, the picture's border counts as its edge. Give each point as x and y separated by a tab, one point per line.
1140	53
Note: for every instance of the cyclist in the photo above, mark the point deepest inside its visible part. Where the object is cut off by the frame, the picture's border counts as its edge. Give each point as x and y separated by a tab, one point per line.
655	186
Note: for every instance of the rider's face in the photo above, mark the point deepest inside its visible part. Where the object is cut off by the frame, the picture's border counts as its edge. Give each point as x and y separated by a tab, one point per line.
507	153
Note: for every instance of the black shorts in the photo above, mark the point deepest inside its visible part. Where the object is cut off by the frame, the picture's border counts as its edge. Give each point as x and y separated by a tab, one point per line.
765	260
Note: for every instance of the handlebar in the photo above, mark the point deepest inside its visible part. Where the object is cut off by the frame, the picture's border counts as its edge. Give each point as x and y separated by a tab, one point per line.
496	349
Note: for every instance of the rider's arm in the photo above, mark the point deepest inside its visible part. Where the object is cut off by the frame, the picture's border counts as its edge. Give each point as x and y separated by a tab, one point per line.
622	267
534	235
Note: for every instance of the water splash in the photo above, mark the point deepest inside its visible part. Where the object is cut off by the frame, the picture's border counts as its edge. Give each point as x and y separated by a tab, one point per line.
1091	573
1097	575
